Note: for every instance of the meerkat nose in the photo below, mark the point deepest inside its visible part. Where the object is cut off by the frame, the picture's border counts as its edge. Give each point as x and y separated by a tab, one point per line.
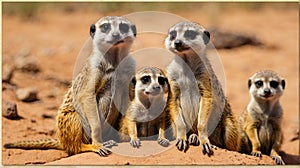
156	87
116	35
178	43
267	91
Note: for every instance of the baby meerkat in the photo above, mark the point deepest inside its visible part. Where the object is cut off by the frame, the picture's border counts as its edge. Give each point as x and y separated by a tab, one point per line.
260	123
197	102
146	114
88	105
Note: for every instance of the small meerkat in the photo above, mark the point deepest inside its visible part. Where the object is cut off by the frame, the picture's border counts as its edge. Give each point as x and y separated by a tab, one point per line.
146	115
197	102
260	122
87	105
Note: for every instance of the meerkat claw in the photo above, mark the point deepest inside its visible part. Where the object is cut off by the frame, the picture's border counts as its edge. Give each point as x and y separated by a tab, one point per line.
103	152
278	160
110	144
182	145
163	142
207	149
135	143
257	154
194	140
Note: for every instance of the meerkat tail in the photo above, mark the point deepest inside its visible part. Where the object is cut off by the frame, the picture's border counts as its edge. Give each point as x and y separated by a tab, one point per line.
35	144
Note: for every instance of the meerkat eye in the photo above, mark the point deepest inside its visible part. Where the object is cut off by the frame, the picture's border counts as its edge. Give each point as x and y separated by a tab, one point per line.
105	27
190	34
124	28
161	80
173	35
274	84
145	79
258	84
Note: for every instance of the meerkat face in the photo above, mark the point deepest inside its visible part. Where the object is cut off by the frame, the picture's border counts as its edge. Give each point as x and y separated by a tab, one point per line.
185	37
266	85
112	31
150	82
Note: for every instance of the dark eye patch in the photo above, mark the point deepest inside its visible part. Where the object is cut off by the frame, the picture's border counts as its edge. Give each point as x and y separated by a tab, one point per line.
173	35
145	79
258	84
124	28
274	84
161	80
105	27
190	34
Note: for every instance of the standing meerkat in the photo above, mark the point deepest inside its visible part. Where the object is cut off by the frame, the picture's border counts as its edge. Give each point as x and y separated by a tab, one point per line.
197	102
88	103
260	123
146	115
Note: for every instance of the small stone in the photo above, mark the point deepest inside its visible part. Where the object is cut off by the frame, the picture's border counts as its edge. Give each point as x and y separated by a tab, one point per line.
28	94
26	64
9	110
7	73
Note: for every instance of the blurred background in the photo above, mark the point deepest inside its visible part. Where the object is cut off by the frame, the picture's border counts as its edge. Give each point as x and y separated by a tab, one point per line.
41	42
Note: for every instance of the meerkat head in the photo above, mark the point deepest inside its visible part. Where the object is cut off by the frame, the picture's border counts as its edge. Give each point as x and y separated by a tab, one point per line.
266	85
112	31
186	37
149	83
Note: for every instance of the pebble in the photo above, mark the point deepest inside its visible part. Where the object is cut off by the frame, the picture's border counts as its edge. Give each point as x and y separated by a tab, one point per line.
28	94
9	110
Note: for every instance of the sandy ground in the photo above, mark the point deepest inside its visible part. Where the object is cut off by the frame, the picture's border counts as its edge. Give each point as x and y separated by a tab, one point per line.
55	39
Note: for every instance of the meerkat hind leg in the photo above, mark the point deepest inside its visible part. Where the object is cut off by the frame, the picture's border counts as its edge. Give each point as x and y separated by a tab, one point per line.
161	137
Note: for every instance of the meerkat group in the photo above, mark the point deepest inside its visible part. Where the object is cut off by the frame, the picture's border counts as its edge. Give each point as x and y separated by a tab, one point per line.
187	97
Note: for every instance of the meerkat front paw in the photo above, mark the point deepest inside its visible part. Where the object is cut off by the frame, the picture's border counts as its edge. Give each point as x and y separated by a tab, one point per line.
207	148
136	143
103	152
182	145
110	144
163	142
100	149
256	153
194	140
278	160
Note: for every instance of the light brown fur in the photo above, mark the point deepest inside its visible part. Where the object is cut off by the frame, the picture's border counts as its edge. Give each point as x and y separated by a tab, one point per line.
191	77
140	120
260	122
87	107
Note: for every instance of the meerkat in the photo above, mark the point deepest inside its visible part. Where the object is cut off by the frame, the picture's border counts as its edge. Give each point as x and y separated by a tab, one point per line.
197	102
260	122
146	115
87	104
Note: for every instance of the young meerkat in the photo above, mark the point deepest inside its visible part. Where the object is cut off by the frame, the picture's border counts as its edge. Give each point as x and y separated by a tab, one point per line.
146	115
88	103
197	102
260	122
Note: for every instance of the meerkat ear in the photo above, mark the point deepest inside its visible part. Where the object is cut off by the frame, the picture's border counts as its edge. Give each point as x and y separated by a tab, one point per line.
249	83
166	79
133	81
283	83
92	30
206	37
133	28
